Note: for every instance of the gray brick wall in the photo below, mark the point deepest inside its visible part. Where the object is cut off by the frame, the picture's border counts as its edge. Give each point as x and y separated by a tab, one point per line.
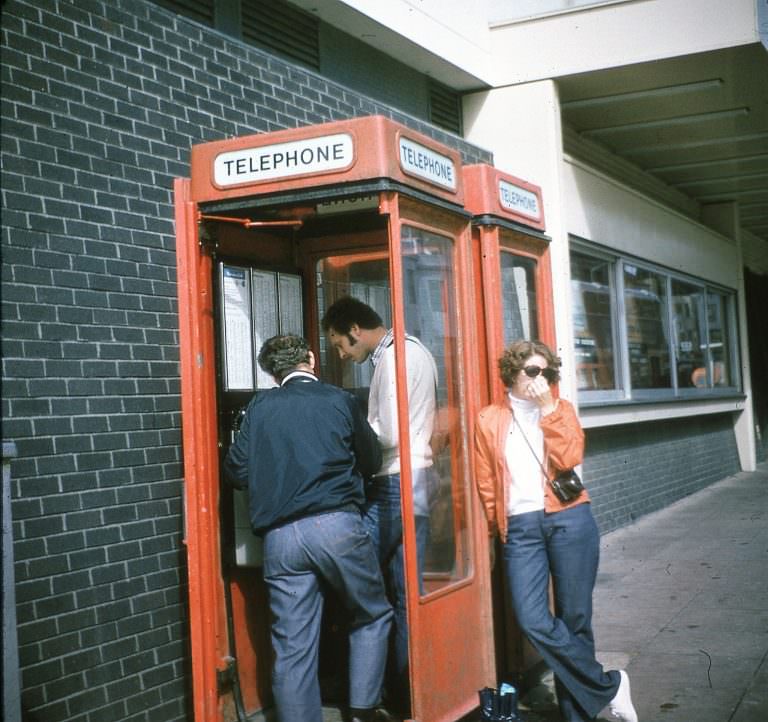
101	101
634	469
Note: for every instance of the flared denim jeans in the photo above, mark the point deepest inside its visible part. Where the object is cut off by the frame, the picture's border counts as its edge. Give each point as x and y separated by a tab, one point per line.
299	557
565	544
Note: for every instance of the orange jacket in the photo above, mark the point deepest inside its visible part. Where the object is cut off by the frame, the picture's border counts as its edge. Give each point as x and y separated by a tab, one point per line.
564	449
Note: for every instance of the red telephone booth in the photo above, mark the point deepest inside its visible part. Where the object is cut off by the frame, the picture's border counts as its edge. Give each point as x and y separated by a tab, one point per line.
271	229
516	277
514	273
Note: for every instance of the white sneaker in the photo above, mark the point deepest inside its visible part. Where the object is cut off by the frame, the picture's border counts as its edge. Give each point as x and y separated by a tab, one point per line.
621	705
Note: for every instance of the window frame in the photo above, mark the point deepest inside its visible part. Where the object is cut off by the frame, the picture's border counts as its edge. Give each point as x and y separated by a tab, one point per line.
646	394
618	332
624	393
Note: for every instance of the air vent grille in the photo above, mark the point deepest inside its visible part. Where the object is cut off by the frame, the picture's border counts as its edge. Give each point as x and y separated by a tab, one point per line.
283	30
444	108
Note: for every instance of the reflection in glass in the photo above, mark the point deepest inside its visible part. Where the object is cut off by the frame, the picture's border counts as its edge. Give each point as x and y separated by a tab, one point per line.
645	305
591	292
363	277
688	313
518	283
719	341
430	315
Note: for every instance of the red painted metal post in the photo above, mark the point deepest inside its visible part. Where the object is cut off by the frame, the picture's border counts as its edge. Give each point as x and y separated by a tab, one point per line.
201	472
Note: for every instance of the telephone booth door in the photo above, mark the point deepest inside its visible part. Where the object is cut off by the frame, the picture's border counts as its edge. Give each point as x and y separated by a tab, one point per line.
450	661
516	301
262	256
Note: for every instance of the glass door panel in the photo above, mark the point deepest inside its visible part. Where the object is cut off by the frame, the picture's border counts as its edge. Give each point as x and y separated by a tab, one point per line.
429	305
448	596
519	301
430	320
364	276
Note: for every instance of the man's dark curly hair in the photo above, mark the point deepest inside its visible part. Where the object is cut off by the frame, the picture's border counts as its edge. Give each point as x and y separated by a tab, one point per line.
282	354
513	361
347	312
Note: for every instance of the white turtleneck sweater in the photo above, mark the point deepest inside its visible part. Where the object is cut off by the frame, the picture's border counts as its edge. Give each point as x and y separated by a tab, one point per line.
526	491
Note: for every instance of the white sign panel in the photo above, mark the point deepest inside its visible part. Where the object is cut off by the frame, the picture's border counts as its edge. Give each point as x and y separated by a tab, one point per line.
291	311
237	328
519	200
423	162
265	320
284	160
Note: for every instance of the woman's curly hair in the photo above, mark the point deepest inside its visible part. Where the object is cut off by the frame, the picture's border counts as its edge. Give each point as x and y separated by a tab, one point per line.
282	354
514	358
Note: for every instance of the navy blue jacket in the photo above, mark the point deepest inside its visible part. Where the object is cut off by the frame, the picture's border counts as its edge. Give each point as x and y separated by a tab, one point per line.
303	448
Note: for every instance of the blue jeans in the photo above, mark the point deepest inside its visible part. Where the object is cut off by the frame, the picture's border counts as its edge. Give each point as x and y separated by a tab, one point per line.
565	544
383	520
300	556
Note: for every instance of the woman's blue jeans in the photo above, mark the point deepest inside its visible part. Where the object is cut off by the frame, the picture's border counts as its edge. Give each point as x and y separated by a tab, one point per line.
565	544
383	520
332	548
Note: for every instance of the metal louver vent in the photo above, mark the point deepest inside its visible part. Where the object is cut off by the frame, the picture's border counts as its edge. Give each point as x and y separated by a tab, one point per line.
200	10
282	29
444	108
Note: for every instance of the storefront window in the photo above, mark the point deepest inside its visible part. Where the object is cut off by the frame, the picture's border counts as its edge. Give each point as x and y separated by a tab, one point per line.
690	333
645	308
518	282
591	294
677	336
720	344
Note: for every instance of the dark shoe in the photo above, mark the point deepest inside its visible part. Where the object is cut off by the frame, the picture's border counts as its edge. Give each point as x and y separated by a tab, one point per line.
378	714
361	715
382	715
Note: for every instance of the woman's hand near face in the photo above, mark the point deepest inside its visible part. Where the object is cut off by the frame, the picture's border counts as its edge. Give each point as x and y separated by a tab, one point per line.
540	391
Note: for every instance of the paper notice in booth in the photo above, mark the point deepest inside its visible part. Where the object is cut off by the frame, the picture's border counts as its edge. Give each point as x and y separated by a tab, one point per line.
237	328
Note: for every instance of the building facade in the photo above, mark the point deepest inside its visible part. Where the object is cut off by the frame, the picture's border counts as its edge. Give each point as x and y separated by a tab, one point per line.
659	270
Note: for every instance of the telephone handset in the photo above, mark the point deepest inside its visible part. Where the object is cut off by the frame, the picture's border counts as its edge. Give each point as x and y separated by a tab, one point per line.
237	420
255	304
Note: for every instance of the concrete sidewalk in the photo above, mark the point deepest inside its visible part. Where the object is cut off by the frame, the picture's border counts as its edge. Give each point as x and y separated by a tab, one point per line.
682	604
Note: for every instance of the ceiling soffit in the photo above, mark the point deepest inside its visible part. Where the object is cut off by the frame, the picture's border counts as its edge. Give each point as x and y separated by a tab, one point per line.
697	124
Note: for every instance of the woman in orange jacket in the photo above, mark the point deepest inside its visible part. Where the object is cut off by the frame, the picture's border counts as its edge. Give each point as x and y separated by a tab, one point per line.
521	445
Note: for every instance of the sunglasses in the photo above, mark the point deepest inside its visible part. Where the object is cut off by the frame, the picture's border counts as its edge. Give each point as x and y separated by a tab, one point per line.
533	371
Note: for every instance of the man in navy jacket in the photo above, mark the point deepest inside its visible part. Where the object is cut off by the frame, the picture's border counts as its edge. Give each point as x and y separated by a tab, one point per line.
302	451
